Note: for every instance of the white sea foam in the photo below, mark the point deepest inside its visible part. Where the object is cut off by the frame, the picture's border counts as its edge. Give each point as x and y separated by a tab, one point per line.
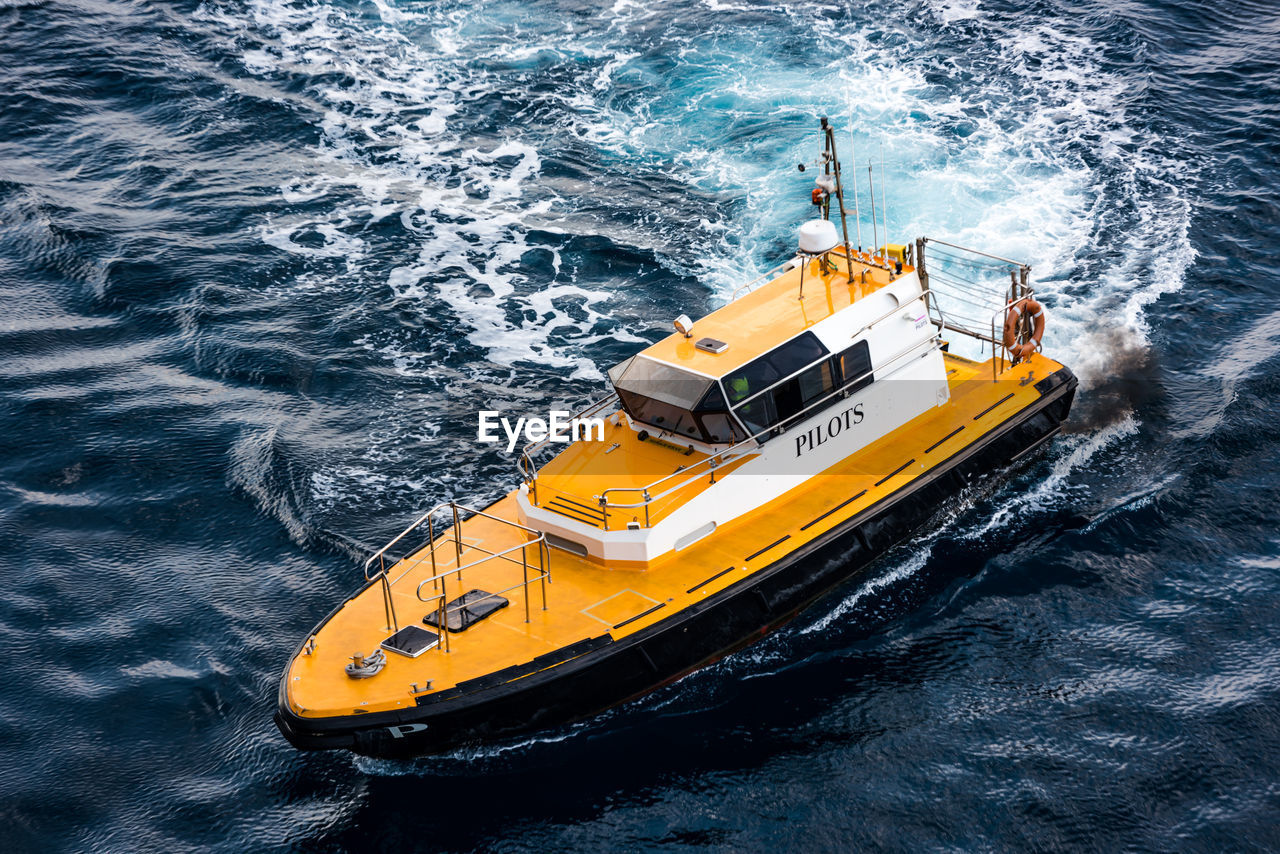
1075	452
1135	500
898	572
1030	156
466	761
465	203
949	11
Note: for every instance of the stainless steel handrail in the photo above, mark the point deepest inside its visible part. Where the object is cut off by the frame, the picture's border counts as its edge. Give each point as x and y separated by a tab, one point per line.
543	574
440	617
379	555
1019	289
538	539
1019	264
776	270
526	464
1001	351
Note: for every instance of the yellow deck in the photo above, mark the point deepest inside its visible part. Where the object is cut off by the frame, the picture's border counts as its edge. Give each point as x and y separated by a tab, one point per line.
581	472
586	599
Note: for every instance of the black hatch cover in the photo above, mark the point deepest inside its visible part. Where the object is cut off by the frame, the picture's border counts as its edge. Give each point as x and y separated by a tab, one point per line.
467	610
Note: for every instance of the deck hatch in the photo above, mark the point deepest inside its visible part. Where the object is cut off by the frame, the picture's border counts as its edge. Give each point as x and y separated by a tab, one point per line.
467	610
411	641
616	609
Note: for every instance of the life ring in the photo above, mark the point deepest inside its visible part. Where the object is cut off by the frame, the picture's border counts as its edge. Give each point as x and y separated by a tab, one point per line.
1014	329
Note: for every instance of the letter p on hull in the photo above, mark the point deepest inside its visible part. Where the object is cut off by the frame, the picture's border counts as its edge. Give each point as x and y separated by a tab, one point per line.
405	729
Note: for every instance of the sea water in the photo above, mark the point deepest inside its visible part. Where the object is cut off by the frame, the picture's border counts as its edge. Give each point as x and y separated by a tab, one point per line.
262	262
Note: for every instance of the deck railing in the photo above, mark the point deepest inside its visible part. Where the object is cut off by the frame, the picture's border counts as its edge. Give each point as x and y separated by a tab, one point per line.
977	297
527	463
380	565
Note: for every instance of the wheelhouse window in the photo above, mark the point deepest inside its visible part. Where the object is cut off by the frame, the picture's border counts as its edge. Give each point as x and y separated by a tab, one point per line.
768	402
672	399
765	404
855	367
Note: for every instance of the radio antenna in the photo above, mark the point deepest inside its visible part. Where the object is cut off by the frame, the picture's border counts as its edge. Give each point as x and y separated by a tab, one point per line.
875	234
884	205
857	213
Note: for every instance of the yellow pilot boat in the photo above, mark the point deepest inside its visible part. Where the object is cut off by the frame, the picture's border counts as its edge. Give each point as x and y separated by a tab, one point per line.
741	468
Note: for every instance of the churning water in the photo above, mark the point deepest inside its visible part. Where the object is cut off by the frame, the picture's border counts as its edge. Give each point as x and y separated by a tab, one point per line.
261	259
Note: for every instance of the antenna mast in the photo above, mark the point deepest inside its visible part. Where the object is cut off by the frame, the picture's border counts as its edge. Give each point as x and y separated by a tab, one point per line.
833	162
884	207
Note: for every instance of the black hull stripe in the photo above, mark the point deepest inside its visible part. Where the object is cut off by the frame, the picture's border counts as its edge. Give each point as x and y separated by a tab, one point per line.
708	581
806	526
630	620
755	555
993	406
896	471
930	449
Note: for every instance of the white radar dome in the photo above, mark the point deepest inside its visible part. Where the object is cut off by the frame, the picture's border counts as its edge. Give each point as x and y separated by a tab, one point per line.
818	236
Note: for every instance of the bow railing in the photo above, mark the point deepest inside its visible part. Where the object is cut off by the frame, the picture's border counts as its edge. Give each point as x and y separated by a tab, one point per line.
381	567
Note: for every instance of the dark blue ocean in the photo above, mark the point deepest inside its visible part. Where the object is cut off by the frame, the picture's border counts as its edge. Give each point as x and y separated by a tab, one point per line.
261	261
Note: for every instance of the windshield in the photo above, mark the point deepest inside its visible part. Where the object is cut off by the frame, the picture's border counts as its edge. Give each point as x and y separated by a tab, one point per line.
660	381
671	399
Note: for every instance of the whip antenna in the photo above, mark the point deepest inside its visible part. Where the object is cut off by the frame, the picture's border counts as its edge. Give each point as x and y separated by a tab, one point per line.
884	206
857	213
871	185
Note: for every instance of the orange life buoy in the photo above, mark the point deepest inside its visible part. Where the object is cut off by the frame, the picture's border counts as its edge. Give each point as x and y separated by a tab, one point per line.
1033	311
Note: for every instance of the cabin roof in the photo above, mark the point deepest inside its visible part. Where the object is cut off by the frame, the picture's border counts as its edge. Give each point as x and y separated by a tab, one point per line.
759	321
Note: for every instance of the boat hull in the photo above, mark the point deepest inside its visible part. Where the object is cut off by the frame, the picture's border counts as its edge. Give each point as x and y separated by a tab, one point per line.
598	673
